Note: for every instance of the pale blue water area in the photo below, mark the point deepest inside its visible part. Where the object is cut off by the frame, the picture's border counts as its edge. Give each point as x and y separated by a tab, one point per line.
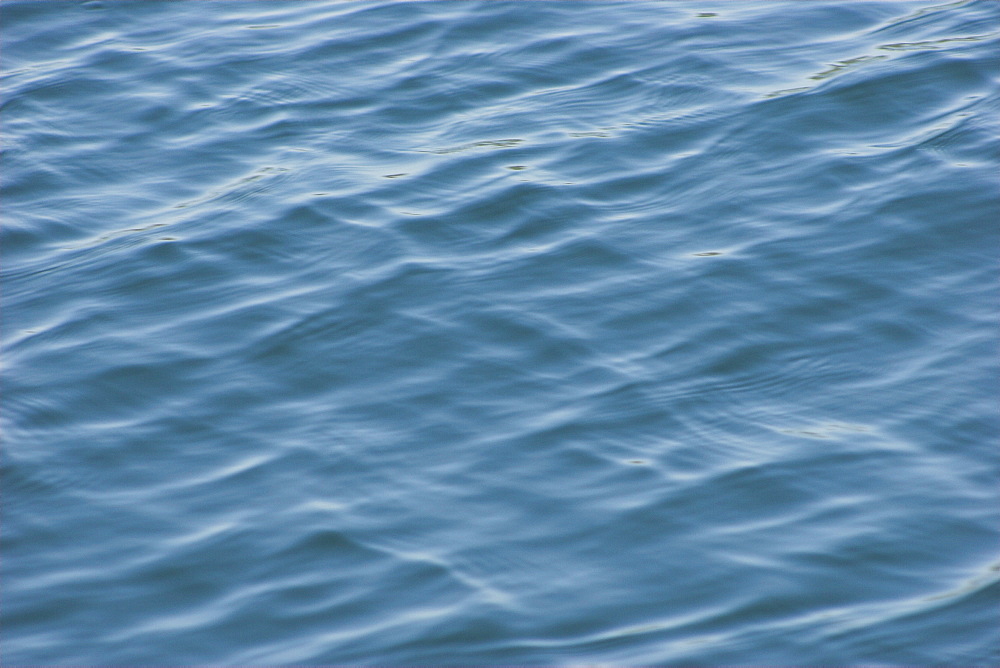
536	333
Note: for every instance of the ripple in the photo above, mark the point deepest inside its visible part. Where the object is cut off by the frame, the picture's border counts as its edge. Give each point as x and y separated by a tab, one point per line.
438	333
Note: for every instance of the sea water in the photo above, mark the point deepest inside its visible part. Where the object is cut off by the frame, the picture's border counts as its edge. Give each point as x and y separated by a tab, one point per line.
547	333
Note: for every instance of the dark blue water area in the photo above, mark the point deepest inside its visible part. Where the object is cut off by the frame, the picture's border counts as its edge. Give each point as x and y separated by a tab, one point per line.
536	333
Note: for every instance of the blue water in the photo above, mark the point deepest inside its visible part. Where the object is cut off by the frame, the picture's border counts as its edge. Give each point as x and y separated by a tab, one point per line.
546	333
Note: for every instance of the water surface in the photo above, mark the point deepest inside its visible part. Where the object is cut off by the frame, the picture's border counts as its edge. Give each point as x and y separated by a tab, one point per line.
656	333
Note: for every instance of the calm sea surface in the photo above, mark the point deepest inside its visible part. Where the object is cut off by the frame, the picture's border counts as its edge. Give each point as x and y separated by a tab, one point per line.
547	333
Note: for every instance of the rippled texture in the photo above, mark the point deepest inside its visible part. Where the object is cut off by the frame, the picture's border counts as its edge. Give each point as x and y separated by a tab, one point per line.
500	332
